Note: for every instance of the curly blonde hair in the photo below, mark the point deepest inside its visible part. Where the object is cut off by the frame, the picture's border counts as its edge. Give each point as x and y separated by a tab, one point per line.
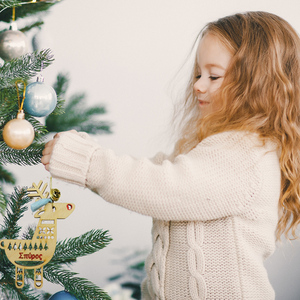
260	93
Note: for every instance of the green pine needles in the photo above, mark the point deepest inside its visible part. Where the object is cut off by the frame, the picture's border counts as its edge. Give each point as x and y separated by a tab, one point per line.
23	68
78	116
24	8
70	114
66	253
10	229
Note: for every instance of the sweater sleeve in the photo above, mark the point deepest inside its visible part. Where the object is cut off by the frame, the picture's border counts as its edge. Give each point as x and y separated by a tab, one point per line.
216	179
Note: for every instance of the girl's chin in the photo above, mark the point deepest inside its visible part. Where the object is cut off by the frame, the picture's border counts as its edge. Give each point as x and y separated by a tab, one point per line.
205	108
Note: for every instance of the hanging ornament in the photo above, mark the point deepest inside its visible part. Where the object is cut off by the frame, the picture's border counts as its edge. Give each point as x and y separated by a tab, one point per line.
13	43
62	295
18	133
35	253
40	98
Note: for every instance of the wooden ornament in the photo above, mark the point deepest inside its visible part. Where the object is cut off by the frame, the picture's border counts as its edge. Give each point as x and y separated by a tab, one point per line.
37	252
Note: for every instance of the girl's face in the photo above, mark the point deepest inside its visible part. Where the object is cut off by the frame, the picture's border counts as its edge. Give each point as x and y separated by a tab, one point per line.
212	62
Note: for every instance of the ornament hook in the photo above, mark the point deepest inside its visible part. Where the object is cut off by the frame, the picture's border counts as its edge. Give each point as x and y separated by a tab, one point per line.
24	91
40	77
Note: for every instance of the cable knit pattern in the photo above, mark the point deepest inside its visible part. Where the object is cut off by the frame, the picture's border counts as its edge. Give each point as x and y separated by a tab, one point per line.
157	260
196	262
214	211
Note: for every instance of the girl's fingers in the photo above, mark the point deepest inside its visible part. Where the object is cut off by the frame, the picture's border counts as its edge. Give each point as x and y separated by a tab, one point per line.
48	147
47	152
45	159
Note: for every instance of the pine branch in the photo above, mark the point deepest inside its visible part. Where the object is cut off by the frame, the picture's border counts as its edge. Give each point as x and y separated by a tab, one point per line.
59	109
8	107
99	128
7	285
78	117
61	85
28	234
134	273
39	129
6	268
16	208
24	67
37	24
24	8
3	202
90	242
9	3
6	176
81	288
17	205
29	156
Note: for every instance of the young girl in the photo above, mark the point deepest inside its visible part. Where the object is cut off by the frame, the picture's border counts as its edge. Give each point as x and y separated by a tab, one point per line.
231	187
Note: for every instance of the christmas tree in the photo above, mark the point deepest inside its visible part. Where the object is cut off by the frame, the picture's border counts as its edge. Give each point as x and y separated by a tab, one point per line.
15	72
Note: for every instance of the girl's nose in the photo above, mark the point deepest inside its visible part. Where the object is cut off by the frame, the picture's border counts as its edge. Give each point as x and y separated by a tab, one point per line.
200	86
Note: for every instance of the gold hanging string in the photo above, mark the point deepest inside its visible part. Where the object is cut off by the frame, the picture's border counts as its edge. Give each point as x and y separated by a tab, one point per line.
21	103
13	13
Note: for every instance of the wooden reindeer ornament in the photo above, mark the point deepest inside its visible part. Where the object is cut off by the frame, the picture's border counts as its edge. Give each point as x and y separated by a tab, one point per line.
37	252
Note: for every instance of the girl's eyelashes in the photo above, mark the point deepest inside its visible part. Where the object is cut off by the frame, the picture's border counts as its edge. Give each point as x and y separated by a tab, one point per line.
210	77
214	77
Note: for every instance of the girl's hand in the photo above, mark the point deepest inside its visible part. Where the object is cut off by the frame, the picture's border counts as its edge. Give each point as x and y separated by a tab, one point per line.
47	152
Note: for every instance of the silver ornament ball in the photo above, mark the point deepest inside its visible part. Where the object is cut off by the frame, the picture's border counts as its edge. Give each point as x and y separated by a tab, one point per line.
13	44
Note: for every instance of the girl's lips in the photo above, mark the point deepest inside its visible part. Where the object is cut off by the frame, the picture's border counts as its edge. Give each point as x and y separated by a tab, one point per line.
202	103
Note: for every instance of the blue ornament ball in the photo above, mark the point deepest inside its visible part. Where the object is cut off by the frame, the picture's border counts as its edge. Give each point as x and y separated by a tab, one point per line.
40	99
62	295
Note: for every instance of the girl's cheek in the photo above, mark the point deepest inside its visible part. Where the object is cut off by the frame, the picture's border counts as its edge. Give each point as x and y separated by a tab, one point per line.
218	85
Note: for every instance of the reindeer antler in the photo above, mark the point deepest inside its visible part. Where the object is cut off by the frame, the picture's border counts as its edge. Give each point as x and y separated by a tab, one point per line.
40	193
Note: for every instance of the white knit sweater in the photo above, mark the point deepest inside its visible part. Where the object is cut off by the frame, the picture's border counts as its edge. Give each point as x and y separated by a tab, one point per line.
214	211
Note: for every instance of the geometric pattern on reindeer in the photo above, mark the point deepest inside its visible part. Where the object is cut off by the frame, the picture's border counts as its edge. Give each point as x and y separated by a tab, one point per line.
37	252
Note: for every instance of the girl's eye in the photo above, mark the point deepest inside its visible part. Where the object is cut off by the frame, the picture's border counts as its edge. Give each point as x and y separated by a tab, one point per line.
211	77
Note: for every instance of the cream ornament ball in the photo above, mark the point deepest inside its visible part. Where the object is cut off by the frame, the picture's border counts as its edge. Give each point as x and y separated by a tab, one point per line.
18	133
13	43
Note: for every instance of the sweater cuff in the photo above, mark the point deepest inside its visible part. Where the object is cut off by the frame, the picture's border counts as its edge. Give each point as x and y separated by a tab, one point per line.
71	157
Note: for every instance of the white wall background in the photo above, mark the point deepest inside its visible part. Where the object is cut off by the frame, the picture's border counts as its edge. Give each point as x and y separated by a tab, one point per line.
126	54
